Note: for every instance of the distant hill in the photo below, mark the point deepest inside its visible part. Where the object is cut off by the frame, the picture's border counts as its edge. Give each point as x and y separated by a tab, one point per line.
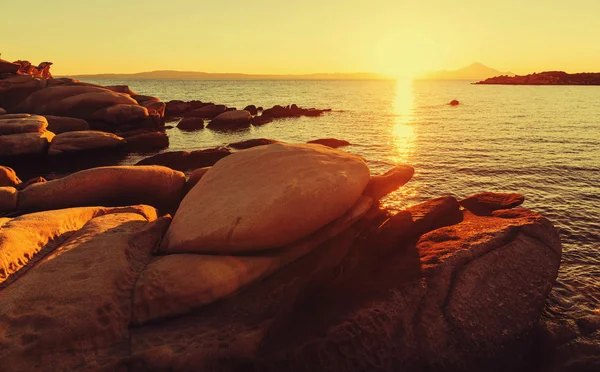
475	71
181	75
547	78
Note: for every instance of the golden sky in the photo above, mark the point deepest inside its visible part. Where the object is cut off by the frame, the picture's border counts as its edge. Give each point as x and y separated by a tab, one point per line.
395	37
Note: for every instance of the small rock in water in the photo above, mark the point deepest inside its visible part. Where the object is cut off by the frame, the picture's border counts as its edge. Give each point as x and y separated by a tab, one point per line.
454	103
251	109
231	120
191	123
334	143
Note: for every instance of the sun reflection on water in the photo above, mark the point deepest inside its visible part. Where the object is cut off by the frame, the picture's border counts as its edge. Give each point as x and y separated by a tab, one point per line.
403	130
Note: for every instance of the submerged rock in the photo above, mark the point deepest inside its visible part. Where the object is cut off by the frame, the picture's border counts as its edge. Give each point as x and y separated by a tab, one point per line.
244	202
330	142
83	140
252	143
117	185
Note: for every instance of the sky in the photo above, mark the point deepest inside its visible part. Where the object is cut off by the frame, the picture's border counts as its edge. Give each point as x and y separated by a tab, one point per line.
393	37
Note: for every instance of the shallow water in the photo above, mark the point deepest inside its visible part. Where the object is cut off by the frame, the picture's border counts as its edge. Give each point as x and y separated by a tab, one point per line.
540	141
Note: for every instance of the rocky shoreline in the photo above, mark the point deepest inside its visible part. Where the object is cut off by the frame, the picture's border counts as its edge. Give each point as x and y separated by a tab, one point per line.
269	256
546	78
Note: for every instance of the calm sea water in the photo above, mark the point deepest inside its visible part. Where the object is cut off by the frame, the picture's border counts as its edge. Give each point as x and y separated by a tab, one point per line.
540	141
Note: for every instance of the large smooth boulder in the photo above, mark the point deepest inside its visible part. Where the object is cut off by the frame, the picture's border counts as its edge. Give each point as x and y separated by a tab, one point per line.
147	141
465	297
83	140
24	240
73	309
25	143
8	199
29	124
62	124
266	197
8	177
231	120
195	177
85	102
175	284
117	185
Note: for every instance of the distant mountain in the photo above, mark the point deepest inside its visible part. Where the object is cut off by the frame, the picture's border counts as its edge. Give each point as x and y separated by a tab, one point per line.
181	75
475	71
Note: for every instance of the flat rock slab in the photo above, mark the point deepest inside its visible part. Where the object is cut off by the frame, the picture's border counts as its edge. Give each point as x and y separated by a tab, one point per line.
266	197
72	310
83	140
490	201
117	185
25	143
29	124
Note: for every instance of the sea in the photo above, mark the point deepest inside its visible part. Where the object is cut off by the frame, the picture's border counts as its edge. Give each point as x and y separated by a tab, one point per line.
539	141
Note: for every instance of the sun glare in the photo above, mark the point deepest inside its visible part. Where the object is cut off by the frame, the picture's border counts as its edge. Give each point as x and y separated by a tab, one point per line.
403	129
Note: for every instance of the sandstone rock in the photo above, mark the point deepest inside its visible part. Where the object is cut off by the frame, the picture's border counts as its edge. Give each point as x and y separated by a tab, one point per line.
83	140
117	185
486	202
464	297
175	284
195	176
380	186
8	199
30	124
73	309
24	240
8	177
231	120
61	124
330	142
148	141
191	123
183	160
25	143
252	143
208	111
252	192
251	109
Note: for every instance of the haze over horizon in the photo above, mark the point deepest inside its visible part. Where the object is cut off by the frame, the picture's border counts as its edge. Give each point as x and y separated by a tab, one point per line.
390	37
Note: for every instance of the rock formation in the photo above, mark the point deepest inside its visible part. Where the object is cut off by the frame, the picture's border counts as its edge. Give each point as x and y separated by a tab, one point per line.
546	78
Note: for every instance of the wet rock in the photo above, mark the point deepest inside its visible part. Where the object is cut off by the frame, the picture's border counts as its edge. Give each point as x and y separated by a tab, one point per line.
207	112
184	160
175	284
8	177
83	140
261	120
251	109
29	124
252	143
100	262
381	185
62	124
195	177
191	123
330	142
487	202
231	120
117	185
8	199
240	199
25	143
146	142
